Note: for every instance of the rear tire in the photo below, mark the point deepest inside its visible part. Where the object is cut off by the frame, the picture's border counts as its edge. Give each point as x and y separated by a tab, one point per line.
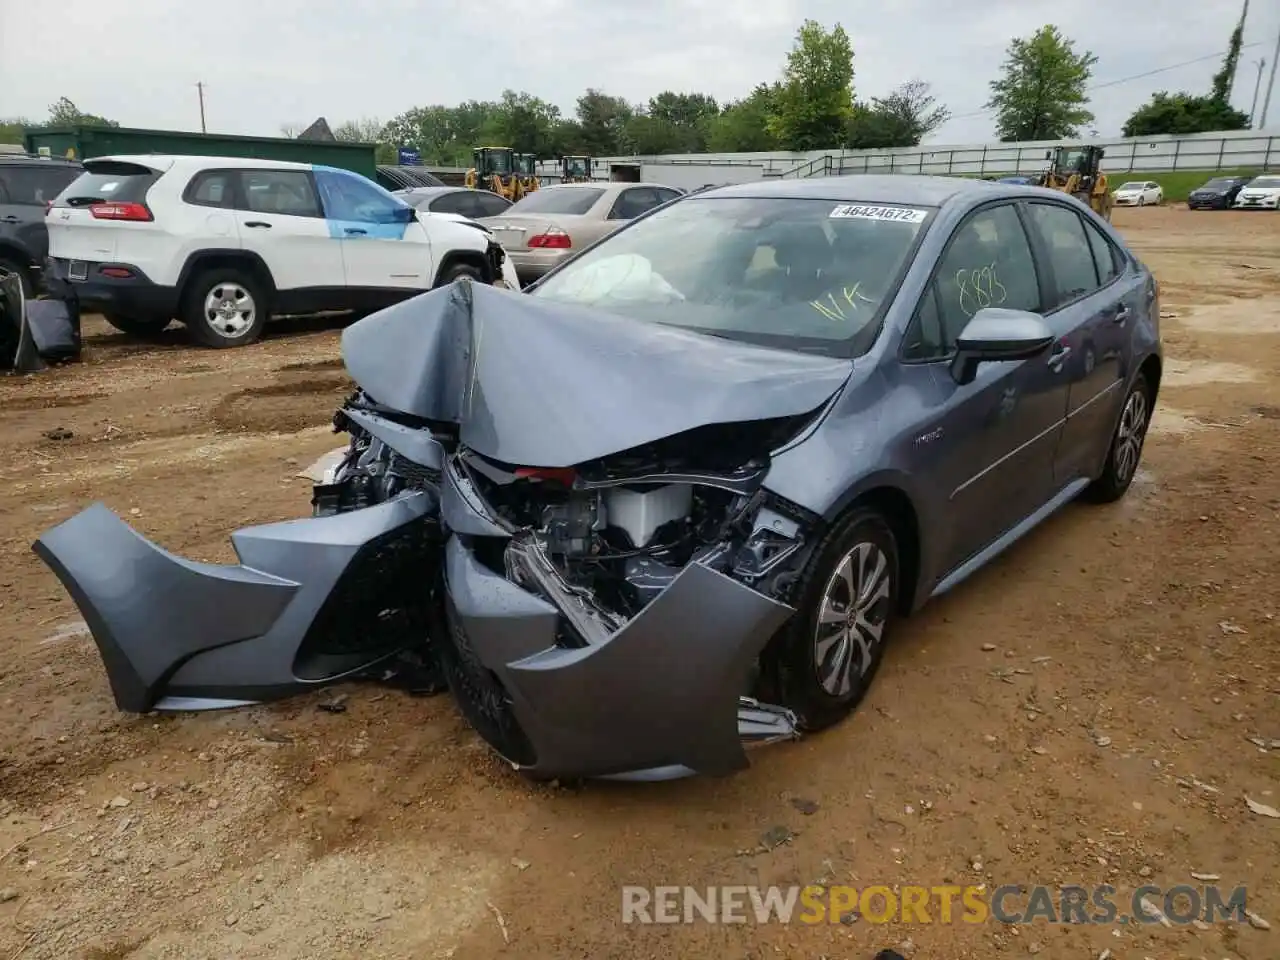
225	307
1125	452
821	664
135	327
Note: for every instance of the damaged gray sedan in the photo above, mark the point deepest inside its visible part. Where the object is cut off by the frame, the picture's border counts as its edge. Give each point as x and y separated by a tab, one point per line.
669	501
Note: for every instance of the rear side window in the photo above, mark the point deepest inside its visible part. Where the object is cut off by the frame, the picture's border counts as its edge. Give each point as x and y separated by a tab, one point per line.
1104	254
458	203
103	182
569	200
490	204
33	185
1063	234
285	192
212	188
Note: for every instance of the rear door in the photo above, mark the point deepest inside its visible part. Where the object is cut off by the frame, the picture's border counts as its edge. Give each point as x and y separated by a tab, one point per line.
384	247
1096	296
279	217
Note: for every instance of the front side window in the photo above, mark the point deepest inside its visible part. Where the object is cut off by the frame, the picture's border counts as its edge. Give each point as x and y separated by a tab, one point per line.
352	198
285	192
988	263
800	274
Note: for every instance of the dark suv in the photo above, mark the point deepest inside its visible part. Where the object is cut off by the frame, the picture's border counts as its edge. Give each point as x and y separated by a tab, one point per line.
27	187
1219	193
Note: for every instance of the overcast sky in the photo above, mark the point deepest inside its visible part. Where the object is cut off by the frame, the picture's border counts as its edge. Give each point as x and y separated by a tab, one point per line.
272	62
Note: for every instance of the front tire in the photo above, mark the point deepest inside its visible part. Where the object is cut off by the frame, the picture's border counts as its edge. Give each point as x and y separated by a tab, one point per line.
821	665
225	307
1126	446
457	271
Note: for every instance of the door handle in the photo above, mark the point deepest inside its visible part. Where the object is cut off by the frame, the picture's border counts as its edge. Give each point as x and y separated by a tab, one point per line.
1059	357
1121	314
8	219
258	223
355	232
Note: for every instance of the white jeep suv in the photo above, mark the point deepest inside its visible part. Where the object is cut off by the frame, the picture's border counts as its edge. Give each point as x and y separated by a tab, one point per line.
221	243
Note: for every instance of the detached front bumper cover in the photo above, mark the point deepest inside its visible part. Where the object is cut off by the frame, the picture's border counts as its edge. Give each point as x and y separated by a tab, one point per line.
311	601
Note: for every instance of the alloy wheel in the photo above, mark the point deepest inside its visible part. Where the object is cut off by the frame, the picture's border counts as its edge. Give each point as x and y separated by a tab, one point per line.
1129	437
230	310
852	618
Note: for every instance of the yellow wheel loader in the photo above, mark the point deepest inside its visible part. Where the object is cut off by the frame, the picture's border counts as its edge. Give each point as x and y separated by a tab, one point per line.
1078	171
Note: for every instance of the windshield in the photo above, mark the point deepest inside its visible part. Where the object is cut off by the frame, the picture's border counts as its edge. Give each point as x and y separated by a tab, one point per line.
1219	183
1269	183
576	200
1133	186
803	274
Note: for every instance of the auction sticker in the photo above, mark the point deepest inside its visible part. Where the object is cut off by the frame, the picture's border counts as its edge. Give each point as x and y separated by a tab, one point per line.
859	211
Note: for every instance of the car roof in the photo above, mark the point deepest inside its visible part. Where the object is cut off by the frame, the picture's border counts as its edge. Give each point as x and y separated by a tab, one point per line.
432	191
613	186
870	188
186	160
25	160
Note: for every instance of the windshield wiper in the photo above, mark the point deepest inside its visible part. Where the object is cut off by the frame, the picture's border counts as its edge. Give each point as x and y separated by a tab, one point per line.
84	201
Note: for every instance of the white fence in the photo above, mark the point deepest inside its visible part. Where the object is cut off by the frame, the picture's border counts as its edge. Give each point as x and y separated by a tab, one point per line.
1248	150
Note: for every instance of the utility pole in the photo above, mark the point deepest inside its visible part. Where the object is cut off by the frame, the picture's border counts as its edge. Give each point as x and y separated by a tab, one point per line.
1257	85
1270	84
200	91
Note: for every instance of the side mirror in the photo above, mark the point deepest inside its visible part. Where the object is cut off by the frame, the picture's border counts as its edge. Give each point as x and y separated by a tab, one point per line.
996	334
1048	154
405	214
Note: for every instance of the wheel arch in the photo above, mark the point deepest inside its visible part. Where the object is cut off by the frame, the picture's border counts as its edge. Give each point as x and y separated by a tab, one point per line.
202	260
472	258
888	495
1152	368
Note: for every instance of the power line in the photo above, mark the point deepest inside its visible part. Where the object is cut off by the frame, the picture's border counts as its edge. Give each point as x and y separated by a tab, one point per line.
986	111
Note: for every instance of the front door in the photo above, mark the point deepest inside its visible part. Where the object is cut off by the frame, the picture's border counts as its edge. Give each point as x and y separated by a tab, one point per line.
385	252
987	450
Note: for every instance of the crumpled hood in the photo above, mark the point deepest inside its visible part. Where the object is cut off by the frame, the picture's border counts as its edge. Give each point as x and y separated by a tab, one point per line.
538	383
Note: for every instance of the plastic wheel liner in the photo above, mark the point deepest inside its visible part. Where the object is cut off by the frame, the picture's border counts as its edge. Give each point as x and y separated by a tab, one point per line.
315	600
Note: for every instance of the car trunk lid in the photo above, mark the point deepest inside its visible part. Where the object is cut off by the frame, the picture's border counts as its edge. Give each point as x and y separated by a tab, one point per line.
535	231
108	201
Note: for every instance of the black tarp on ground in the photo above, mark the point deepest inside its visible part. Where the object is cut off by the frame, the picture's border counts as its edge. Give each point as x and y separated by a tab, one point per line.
35	331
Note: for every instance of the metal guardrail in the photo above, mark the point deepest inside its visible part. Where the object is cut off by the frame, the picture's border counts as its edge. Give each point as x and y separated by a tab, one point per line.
1258	154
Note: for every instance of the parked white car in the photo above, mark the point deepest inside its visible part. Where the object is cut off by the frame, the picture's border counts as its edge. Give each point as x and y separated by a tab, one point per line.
222	243
1260	193
1138	193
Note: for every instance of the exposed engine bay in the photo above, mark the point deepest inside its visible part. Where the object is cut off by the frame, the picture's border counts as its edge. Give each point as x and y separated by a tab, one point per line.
602	540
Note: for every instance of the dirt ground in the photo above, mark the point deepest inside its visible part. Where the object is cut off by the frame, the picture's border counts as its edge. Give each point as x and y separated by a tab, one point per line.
1094	708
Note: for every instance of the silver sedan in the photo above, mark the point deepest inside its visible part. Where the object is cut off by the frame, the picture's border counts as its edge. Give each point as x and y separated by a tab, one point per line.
555	222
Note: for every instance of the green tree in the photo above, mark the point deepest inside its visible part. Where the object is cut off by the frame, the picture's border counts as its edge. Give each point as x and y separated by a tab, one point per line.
64	113
903	118
1182	113
603	120
1040	94
743	126
443	135
525	123
11	130
815	100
